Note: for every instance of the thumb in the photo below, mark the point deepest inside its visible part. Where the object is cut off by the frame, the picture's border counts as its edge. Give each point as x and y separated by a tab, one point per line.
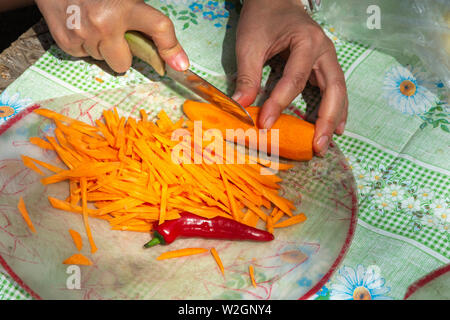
249	72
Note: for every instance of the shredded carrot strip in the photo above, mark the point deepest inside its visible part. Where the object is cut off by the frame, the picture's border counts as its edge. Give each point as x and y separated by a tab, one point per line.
28	162
251	271
83	183
23	210
215	254
162	213
76	239
291	221
181	253
41	143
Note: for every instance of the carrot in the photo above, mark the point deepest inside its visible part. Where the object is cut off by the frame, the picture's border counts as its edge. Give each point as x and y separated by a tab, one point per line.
295	134
76	239
41	143
181	253
215	254
85	214
291	221
30	164
23	210
251	272
163	206
78	259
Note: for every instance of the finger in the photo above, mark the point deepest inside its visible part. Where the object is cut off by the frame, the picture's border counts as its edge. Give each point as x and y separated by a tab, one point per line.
249	72
295	75
116	53
341	126
69	42
332	105
92	49
160	28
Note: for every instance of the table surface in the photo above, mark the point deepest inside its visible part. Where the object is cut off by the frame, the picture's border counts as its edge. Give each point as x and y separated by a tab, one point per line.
396	146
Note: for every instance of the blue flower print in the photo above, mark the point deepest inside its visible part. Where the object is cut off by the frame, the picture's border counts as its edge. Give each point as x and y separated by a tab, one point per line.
196	7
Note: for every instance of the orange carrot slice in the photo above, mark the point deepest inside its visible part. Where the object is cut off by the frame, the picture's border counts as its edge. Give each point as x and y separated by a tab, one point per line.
291	221
78	259
251	271
215	254
23	210
76	239
181	253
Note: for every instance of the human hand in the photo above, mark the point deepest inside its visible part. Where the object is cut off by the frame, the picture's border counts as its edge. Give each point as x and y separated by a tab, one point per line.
103	24
267	28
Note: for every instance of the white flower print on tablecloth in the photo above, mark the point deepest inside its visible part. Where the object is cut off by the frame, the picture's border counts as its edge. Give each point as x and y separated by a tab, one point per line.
408	90
359	284
11	105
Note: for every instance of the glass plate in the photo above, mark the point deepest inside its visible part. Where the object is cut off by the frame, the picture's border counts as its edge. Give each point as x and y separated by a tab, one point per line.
295	265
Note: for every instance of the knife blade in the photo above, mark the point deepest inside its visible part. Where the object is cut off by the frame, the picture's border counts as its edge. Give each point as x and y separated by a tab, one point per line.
144	48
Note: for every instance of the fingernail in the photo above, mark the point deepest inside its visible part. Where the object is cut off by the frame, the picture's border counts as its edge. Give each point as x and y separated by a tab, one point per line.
322	144
181	61
340	128
236	96
270	120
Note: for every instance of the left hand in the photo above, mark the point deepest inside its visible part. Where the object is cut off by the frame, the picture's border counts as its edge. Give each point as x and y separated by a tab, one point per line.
267	28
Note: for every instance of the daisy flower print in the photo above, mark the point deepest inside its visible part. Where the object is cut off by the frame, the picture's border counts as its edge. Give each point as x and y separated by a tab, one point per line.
11	105
406	90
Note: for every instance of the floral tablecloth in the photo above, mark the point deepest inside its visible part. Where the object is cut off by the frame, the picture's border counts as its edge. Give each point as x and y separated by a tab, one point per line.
396	141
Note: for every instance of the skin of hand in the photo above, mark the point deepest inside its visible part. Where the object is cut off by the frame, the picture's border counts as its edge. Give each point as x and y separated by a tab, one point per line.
267	28
103	24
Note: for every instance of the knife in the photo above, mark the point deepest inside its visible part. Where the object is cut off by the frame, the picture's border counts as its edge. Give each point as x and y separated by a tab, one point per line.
144	48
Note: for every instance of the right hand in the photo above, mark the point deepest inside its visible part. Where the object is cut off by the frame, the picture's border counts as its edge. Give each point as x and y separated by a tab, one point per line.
103	24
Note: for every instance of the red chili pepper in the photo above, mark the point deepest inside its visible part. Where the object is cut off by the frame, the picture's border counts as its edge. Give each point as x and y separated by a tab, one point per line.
191	225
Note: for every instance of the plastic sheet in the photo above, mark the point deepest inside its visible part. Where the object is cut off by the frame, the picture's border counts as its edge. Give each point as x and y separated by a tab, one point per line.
401	28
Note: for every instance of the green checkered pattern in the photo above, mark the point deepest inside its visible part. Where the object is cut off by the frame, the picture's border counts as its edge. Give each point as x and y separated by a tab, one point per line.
10	290
397	224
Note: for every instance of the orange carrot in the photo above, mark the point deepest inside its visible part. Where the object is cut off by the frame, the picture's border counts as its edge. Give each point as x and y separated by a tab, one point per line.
163	206
215	254
181	253
23	210
251	271
83	183
78	259
30	164
295	134
41	143
291	221
76	239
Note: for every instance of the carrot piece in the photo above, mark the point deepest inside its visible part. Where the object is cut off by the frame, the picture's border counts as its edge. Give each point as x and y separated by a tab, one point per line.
23	210
41	143
163	206
76	239
28	162
78	259
218	260
83	183
251	272
291	221
269	224
295	134
46	165
181	253
277	216
229	194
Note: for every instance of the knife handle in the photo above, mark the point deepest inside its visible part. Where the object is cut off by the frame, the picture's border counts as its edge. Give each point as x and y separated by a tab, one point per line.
145	49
